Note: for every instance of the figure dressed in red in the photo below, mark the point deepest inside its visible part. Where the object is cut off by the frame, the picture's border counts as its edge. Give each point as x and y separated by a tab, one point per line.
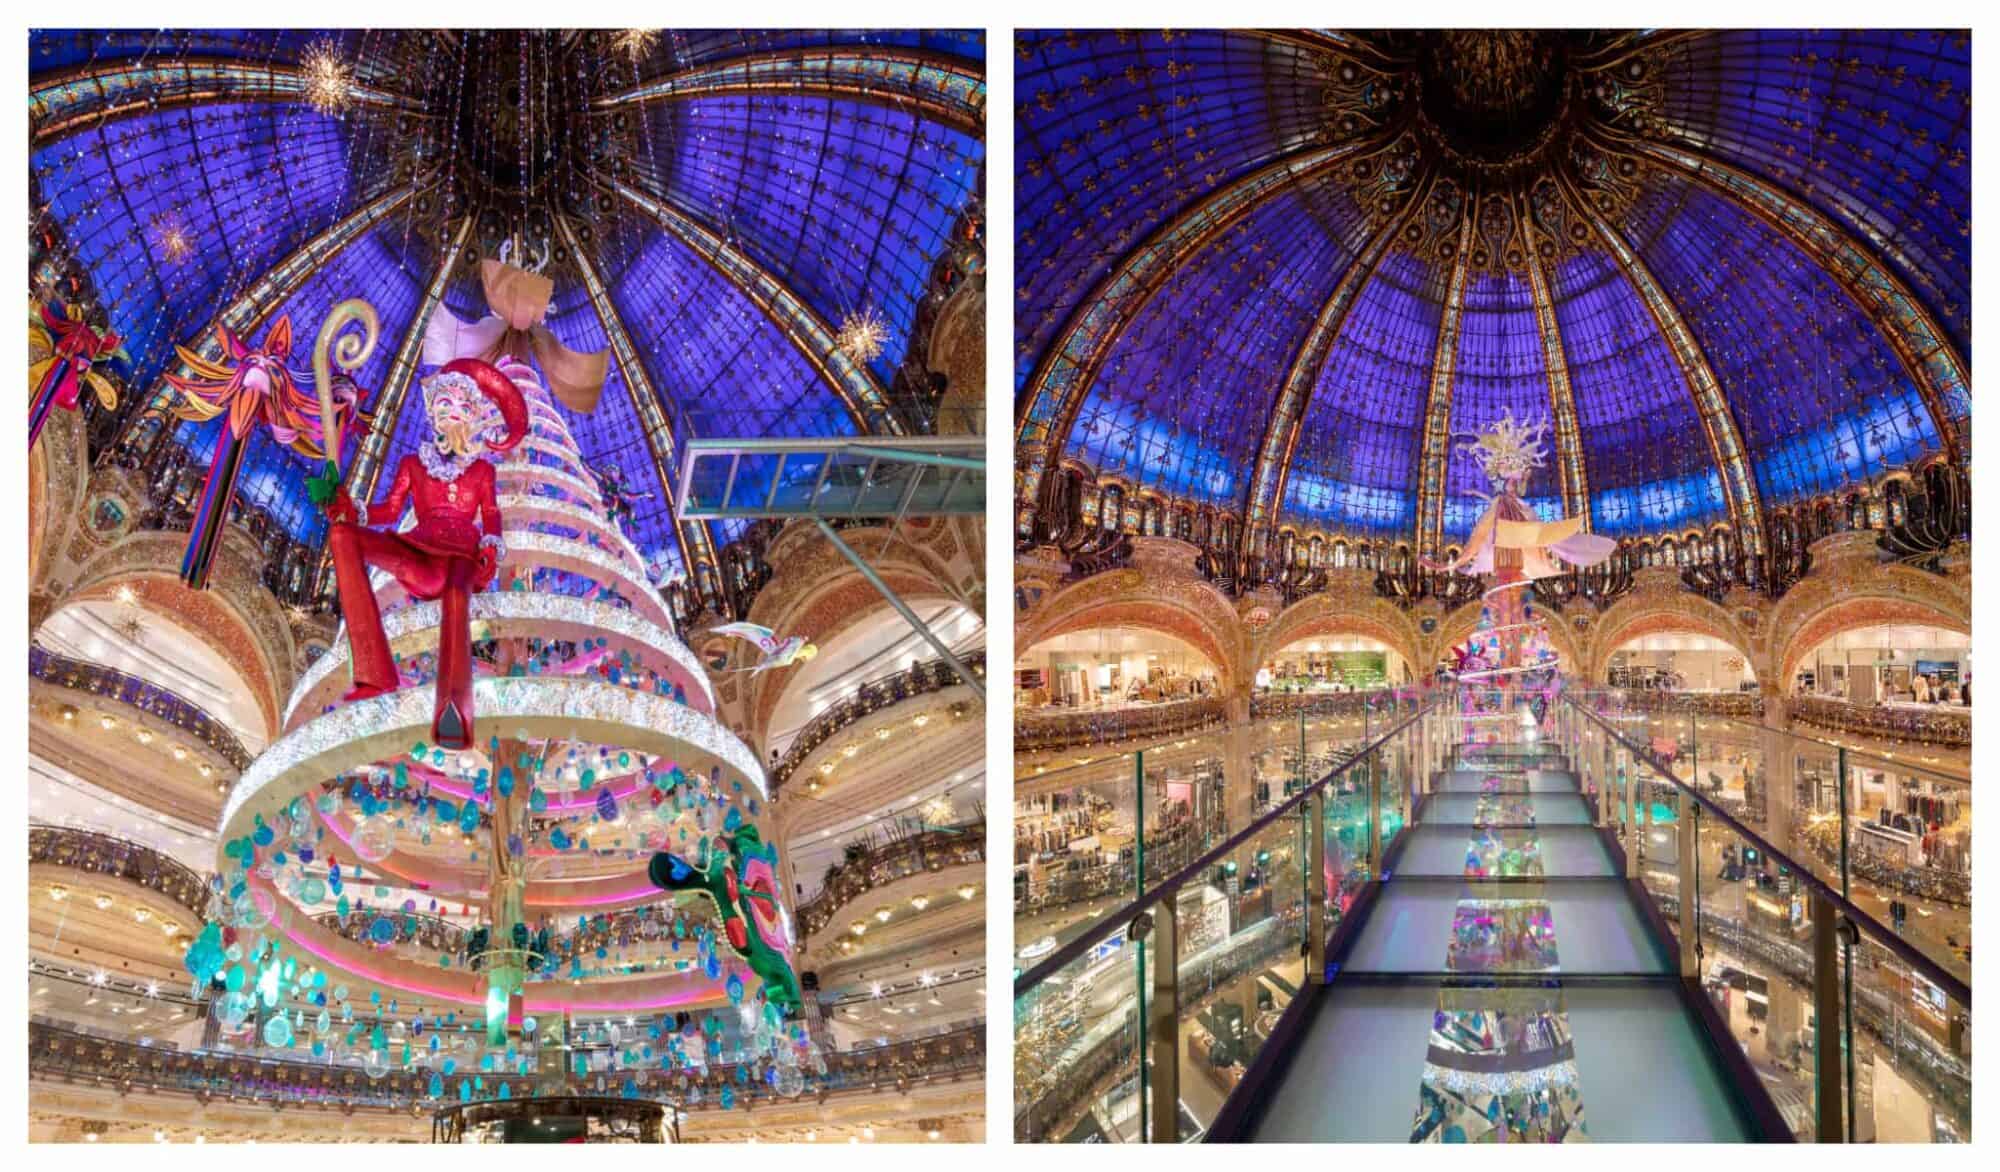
454	547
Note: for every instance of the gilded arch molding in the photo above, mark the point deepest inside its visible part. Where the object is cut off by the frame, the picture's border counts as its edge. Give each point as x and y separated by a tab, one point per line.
1826	604
1648	614
1344	614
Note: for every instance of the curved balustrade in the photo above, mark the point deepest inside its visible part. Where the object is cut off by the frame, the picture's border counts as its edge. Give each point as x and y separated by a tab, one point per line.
933	850
1941	725
112	684
1272	705
71	1055
921	680
567	938
433	933
104	854
1737	705
1055	729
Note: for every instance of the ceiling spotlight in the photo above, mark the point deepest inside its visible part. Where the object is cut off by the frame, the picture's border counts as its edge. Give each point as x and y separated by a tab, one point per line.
967	891
858	927
107	722
882	914
920	902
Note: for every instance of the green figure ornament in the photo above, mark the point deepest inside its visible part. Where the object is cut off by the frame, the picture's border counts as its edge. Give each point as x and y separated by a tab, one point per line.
736	879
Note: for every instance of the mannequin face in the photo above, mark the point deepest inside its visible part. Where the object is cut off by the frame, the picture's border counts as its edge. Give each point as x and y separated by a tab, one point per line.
457	415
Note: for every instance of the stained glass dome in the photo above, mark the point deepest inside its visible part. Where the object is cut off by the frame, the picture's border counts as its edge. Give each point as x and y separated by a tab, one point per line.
711	206
1270	275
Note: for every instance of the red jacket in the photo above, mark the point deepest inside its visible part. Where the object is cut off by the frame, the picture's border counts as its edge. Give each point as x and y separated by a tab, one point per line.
451	515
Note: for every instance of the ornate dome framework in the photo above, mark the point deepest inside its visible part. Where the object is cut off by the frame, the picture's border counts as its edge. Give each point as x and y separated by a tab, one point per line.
712	206
1268	275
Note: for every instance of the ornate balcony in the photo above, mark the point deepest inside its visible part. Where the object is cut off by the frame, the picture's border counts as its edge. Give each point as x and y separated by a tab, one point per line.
103	854
1939	725
1274	705
1735	705
111	684
921	680
1045	730
61	1053
931	851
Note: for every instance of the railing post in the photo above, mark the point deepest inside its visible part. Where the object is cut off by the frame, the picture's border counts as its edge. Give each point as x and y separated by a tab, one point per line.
1163	1029
1627	780
1372	766
1828	1061
1687	855
1315	811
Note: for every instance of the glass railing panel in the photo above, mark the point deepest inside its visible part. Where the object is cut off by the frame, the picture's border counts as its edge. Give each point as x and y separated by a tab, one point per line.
1082	833
1079	1046
1076	850
1186	809
1754	920
1909	855
1909	1056
1240	930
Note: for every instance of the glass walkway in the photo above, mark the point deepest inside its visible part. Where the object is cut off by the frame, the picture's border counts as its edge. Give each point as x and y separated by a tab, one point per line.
1435	943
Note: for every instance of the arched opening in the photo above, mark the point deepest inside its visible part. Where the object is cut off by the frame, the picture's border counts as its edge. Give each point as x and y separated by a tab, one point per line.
1112	667
1333	663
1680	661
876	647
121	633
1891	664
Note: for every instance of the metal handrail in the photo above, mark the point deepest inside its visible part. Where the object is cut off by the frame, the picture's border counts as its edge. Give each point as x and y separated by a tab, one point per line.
1166	887
1909	953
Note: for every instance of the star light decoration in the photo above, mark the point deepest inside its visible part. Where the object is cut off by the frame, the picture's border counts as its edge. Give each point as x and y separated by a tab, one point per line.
328	77
862	333
636	43
172	242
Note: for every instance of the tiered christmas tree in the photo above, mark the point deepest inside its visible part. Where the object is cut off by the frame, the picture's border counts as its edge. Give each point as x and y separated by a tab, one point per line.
497	914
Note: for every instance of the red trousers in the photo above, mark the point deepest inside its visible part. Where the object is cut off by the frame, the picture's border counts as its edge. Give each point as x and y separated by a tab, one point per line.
427	575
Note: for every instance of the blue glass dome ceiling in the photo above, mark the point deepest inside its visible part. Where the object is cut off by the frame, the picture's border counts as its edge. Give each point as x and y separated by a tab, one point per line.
1254	265
798	176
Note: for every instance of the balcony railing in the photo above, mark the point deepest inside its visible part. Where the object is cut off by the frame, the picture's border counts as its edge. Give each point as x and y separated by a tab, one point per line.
1048	729
71	1055
1736	705
1276	705
931	851
921	680
103	854
1941	725
112	684
558	939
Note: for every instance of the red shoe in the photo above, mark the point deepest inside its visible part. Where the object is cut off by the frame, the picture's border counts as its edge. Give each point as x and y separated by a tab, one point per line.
363	692
449	730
